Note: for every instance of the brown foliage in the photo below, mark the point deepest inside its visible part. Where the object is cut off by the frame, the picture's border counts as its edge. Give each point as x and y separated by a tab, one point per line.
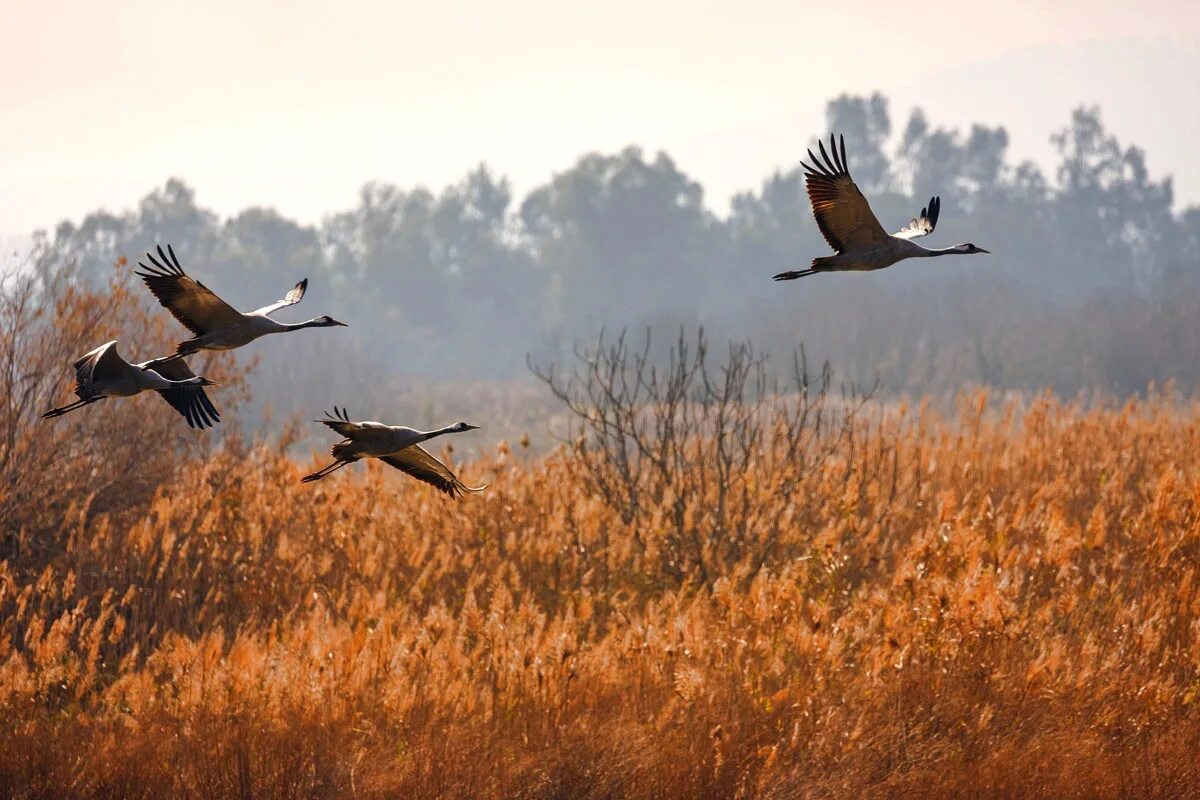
1004	604
106	459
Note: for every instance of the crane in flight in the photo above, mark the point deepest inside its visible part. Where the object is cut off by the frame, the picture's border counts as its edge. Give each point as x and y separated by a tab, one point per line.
394	445
848	224
103	373
216	325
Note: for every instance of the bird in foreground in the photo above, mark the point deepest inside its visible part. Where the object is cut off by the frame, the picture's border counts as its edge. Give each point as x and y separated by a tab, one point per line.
848	224
395	445
103	373
216	324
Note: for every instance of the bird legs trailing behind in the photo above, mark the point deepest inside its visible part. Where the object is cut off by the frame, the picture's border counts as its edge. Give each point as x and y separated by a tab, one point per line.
58	412
327	470
791	276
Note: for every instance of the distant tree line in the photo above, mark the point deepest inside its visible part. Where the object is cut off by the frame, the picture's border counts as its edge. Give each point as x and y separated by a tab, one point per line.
1094	281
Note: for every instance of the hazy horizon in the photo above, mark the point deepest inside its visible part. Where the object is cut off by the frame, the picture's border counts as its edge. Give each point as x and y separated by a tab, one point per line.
293	106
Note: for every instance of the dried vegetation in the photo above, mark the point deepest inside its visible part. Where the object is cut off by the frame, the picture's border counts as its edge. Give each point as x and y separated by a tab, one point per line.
716	588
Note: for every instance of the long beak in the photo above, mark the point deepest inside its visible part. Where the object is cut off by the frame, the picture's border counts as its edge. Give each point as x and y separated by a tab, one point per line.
981	250
471	427
344	325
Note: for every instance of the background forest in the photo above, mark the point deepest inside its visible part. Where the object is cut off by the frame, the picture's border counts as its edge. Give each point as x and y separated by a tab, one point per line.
1094	282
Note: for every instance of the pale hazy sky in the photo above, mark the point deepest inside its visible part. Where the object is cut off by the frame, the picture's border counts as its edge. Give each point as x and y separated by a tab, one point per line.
295	104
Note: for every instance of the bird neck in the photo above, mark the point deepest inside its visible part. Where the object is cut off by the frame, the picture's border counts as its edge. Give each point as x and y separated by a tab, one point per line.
315	322
440	431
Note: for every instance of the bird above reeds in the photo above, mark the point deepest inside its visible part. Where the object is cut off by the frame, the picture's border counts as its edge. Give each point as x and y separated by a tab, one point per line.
394	445
104	373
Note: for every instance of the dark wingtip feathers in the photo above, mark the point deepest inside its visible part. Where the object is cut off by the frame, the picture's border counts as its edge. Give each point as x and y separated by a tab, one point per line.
338	415
837	161
168	268
832	162
828	163
814	167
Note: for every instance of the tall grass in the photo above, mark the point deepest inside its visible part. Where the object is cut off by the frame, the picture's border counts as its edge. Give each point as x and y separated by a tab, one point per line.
1002	603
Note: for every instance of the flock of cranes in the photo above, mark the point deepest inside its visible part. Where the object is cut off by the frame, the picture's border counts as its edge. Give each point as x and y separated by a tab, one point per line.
842	213
216	325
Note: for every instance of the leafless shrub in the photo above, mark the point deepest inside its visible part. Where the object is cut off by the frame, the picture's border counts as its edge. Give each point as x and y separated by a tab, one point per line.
678	445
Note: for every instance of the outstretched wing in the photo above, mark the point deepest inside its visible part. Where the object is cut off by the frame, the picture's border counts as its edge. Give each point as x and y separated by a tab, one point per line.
416	461
842	213
340	422
190	401
188	300
289	299
193	404
923	224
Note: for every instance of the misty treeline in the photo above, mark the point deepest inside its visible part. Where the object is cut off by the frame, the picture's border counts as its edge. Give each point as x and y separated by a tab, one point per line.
1094	281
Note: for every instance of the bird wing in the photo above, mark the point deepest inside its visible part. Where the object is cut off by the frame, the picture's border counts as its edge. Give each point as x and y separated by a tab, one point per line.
416	461
190	401
104	359
188	300
88	360
289	299
85	367
924	224
843	214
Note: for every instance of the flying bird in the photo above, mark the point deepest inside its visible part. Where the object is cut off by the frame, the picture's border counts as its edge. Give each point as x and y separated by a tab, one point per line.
848	224
395	445
103	373
216	324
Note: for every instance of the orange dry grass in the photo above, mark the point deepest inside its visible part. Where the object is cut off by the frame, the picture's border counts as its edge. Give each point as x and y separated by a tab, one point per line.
1002	605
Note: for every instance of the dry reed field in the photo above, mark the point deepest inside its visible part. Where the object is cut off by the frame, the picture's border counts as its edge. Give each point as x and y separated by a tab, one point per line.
716	588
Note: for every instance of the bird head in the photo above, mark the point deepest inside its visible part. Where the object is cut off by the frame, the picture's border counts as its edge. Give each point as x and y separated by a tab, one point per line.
465	426
969	249
329	322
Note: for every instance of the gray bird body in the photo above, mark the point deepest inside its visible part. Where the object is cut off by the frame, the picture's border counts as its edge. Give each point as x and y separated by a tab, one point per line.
252	325
884	255
371	439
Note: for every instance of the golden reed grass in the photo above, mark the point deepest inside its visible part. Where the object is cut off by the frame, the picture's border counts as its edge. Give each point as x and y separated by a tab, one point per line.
1002	604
